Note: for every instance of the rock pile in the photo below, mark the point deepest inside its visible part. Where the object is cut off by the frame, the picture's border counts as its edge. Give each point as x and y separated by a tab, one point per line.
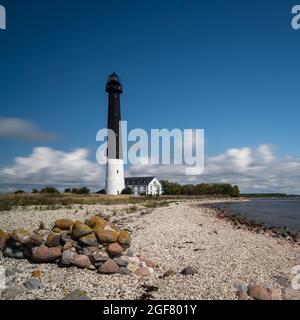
95	244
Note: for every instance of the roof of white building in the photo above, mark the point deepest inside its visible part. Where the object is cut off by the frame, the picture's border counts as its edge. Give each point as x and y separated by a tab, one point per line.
138	180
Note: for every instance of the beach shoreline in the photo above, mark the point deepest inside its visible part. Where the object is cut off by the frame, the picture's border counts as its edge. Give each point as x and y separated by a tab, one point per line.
186	233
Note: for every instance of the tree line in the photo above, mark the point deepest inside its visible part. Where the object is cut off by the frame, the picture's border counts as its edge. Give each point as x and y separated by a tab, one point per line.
173	188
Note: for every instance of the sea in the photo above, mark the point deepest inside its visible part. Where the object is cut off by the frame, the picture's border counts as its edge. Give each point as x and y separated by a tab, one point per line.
279	212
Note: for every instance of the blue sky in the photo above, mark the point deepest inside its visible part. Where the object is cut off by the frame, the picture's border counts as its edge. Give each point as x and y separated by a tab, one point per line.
230	67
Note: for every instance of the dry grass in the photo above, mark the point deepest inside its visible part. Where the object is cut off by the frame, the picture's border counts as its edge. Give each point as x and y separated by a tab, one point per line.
54	201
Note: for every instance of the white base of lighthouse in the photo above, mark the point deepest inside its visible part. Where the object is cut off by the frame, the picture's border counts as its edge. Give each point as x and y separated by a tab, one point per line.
115	182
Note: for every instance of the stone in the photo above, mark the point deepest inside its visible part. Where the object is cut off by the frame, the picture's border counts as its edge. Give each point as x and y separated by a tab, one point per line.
168	273
12	292
142	272
109	267
36	273
148	263
81	261
14	253
122	261
20	235
259	293
124	237
292	294
36	240
68	246
80	229
114	249
242	295
53	239
65	237
96	222
3	239
130	253
67	257
125	271
33	284
64	224
188	271
107	236
99	258
89	240
43	254
132	266
88	251
77	295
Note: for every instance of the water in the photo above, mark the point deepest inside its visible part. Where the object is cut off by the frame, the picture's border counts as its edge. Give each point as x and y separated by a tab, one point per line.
272	212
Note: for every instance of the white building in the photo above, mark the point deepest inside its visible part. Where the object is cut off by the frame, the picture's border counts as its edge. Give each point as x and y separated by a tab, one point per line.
144	185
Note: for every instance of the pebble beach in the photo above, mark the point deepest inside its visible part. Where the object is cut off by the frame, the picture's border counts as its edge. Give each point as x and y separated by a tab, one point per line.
224	260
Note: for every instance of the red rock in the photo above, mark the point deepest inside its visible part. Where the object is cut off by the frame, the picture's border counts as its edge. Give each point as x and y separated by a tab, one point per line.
108	267
114	249
259	293
149	263
81	261
43	254
242	295
36	273
142	272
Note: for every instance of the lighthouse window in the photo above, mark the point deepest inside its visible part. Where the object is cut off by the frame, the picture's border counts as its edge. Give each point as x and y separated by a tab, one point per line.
117	171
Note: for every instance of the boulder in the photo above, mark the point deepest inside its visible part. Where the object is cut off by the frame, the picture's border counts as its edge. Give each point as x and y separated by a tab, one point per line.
188	271
109	267
89	240
81	261
142	272
3	239
114	249
107	236
124	237
21	236
259	293
96	222
122	261
80	229
33	284
64	224
36	239
43	254
53	239
125	271
67	257
99	258
14	252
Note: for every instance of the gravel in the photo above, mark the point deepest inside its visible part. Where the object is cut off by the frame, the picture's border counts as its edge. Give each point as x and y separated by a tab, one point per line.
175	237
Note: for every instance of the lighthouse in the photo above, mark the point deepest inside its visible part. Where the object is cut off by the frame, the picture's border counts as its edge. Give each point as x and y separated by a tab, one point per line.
115	181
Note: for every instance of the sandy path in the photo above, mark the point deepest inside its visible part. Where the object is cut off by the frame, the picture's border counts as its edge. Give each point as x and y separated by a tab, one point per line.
175	237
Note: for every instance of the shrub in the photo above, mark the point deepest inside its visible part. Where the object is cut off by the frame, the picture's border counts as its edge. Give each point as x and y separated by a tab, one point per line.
35	190
19	192
49	190
83	190
67	190
127	190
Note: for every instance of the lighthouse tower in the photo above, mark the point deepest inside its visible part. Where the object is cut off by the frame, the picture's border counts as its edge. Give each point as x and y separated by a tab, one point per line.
115	181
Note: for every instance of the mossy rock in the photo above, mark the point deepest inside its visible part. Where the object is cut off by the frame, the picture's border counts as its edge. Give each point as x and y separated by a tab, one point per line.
3	239
107	236
80	229
64	224
124	237
21	236
90	240
95	222
53	239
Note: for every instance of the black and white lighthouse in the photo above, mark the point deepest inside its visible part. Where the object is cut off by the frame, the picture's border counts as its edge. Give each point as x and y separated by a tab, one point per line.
115	182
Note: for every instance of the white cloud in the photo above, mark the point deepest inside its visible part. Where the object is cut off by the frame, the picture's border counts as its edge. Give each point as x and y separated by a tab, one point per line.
252	169
49	166
16	128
